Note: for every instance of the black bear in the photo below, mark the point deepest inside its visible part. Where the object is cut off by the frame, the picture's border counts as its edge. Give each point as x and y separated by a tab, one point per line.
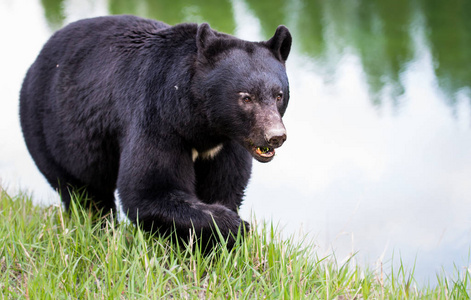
170	116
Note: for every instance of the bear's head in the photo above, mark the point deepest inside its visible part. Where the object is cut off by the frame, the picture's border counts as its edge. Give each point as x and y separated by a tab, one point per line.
244	88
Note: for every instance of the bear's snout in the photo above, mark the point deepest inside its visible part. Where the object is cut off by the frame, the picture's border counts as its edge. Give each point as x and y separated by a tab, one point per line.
275	137
274	129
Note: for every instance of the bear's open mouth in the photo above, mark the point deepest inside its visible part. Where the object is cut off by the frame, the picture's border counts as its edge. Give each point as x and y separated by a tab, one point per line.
266	152
262	153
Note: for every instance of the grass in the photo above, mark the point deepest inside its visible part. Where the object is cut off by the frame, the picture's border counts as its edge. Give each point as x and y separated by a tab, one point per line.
47	254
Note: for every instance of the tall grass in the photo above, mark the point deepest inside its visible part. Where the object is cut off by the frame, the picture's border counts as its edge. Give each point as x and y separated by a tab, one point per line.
47	254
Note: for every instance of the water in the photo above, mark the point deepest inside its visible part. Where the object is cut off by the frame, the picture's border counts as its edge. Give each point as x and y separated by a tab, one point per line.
379	125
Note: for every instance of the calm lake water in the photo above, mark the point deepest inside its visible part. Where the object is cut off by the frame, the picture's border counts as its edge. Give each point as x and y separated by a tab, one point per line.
379	124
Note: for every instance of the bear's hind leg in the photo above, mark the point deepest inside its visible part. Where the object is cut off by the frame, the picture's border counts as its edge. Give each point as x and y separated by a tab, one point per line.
100	201
71	189
100	204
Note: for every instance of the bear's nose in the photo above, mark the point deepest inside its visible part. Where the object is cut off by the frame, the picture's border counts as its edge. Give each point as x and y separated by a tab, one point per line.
276	138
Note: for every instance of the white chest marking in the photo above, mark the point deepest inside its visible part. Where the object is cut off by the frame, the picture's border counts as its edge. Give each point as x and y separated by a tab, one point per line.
209	154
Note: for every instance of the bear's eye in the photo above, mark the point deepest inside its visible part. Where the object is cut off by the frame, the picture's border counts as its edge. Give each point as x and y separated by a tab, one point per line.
245	97
279	97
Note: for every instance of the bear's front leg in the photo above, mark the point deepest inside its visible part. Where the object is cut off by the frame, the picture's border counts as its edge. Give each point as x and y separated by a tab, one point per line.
223	178
156	185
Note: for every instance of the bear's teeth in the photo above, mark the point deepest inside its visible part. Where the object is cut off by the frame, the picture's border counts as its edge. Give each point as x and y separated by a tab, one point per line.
265	151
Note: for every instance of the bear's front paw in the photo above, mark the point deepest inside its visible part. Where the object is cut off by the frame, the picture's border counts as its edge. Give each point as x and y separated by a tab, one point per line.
229	224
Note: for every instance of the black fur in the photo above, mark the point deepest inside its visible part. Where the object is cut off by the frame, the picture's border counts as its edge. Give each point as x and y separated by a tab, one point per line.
124	102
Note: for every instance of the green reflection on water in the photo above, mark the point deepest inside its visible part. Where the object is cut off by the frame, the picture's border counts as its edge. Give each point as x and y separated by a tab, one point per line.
218	13
271	14
449	38
382	34
54	13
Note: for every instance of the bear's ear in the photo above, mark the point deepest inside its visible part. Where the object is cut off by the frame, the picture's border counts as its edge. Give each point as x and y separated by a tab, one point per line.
204	36
280	43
